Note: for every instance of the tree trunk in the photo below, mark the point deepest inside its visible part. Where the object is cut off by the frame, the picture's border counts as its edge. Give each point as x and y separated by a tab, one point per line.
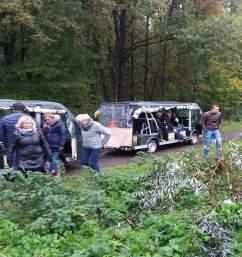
23	50
120	19
132	70
163	72
146	57
131	91
9	52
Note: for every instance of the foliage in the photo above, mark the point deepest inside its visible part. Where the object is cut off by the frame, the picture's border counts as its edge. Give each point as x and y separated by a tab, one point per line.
167	181
237	116
84	52
99	215
220	238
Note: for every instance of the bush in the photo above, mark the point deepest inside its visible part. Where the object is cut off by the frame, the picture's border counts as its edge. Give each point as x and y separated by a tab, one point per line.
237	116
97	215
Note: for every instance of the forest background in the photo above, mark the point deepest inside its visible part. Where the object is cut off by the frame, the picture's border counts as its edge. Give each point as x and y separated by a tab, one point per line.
81	52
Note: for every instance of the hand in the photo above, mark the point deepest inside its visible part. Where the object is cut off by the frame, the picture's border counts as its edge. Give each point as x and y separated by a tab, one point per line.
61	148
74	157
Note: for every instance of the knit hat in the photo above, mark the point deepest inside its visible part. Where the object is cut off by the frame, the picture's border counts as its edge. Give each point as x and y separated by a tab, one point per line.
82	117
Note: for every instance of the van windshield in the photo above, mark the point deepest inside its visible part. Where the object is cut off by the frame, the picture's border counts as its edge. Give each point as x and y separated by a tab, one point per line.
116	116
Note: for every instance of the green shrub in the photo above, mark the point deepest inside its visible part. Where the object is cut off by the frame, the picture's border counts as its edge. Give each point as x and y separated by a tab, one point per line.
100	215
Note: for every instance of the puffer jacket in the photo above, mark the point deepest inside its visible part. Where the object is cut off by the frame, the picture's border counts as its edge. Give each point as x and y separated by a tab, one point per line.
31	150
7	127
92	135
57	135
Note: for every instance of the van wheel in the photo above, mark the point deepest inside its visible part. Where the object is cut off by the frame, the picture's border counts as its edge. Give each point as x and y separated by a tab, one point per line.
194	138
152	146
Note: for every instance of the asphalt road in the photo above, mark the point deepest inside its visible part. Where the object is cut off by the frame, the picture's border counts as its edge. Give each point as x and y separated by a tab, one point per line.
119	158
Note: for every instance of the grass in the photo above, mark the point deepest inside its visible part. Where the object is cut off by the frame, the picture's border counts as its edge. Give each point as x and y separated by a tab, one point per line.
199	150
230	126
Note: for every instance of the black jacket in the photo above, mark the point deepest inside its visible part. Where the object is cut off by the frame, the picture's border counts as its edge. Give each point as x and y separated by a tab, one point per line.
57	136
167	122
31	150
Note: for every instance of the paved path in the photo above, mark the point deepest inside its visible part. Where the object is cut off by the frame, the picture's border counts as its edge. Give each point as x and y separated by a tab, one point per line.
121	158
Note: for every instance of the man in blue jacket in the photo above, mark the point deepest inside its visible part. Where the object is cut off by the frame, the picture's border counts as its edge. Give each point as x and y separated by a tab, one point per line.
7	125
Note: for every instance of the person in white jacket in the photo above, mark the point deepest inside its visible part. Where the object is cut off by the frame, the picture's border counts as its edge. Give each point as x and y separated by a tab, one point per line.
92	141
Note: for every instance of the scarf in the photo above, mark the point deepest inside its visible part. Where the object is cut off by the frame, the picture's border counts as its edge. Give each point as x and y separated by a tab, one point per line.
88	125
26	131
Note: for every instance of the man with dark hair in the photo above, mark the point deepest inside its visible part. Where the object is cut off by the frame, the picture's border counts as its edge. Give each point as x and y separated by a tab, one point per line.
168	126
211	122
7	124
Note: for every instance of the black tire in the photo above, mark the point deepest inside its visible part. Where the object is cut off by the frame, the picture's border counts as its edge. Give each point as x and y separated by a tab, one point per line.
152	146
194	138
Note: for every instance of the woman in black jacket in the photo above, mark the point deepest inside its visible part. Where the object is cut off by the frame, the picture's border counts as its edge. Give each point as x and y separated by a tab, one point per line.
55	133
30	146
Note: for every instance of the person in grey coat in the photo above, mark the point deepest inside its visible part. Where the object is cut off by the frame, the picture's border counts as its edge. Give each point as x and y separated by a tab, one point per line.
92	140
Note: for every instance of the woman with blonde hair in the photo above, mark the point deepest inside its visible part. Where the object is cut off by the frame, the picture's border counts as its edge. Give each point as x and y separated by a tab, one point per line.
29	145
55	133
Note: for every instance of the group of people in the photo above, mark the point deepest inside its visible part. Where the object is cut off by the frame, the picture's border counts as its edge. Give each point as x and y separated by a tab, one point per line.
32	147
167	124
29	147
211	122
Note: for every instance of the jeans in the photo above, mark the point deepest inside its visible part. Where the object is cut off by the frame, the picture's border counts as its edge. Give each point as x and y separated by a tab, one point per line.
91	157
53	165
178	136
208	137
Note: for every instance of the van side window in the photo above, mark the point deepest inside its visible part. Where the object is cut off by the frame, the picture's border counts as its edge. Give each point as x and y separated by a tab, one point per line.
196	116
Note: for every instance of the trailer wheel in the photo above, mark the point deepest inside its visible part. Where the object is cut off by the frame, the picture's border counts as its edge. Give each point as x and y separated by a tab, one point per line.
152	146
194	138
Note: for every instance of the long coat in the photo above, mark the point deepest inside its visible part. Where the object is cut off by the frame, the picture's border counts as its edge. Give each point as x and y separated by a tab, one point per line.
31	150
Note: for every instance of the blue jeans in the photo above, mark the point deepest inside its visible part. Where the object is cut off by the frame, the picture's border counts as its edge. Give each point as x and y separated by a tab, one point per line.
208	137
53	165
178	136
91	157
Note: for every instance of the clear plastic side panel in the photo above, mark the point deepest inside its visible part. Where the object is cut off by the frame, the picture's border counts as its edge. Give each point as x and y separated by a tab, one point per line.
116	116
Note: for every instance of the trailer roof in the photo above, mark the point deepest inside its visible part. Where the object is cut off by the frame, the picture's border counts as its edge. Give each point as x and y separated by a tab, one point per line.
32	103
148	104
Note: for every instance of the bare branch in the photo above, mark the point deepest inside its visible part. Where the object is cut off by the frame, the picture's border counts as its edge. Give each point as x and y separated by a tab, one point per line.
143	43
